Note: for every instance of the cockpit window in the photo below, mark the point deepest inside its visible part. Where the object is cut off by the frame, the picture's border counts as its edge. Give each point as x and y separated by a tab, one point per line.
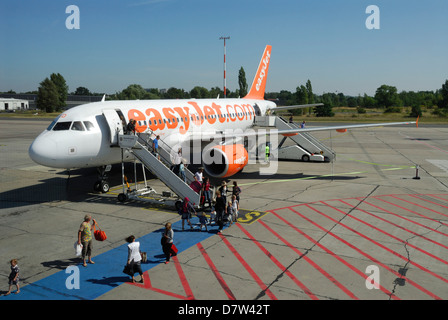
51	125
77	125
89	125
62	126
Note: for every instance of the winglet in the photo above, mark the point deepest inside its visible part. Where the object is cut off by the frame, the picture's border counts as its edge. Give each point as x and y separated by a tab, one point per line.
259	83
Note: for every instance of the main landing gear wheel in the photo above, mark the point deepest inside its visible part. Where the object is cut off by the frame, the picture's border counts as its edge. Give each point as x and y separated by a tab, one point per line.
101	186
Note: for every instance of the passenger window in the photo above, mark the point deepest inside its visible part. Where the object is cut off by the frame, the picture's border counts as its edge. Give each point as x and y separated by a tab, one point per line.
60	126
77	126
89	125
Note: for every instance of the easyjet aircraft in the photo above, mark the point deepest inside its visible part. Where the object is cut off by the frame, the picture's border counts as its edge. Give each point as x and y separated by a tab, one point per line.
87	135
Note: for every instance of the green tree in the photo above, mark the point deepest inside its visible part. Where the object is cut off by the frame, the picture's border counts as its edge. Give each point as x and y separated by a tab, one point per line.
443	102
242	83
82	91
302	95
309	92
62	88
133	92
175	93
47	96
199	93
387	97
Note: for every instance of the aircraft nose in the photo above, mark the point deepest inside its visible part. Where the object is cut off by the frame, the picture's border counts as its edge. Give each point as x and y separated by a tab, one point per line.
42	151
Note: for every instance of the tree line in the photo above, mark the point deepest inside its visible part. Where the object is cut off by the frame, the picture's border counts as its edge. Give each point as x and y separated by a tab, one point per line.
52	94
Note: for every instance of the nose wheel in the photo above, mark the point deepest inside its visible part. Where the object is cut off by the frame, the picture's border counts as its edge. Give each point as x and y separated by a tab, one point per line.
102	185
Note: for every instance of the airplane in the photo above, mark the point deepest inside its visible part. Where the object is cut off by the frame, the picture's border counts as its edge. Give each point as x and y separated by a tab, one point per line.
87	135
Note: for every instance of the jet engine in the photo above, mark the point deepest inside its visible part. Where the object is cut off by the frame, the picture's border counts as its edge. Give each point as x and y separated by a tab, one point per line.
222	161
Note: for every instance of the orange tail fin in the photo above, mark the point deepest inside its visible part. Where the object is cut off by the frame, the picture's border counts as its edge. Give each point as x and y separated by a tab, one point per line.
259	84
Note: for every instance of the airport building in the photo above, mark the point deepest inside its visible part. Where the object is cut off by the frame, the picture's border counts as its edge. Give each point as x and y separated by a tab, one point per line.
11	104
29	100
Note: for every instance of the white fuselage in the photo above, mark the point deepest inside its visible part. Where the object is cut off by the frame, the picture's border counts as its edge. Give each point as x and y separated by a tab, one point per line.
82	136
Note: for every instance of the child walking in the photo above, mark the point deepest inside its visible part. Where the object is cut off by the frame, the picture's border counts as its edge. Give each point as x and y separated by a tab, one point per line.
14	277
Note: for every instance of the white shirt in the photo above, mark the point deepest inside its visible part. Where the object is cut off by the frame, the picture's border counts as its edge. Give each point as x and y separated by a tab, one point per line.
199	176
134	252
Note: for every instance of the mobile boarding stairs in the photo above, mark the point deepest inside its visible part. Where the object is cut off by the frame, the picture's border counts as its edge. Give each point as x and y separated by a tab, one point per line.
305	147
141	147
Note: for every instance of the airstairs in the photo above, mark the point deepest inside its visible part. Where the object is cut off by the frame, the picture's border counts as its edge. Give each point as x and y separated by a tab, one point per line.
141	147
306	147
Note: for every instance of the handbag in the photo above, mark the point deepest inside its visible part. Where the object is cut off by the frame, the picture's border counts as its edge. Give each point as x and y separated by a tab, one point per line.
127	269
174	250
99	234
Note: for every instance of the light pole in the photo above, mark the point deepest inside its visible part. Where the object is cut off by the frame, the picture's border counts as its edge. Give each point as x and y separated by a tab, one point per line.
224	38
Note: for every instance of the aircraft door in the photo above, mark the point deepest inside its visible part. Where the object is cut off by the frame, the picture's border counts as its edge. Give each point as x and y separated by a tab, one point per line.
115	124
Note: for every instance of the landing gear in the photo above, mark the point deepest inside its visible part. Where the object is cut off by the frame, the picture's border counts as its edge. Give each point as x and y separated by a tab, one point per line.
102	185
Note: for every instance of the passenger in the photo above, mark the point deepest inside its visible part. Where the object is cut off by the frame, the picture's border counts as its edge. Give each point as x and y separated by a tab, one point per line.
13	278
196	185
85	238
185	211
206	192
230	213
131	126
182	171
134	258
123	123
291	119
167	242
223	190
220	207
236	207
302	126
155	147
202	220
212	216
199	174
236	191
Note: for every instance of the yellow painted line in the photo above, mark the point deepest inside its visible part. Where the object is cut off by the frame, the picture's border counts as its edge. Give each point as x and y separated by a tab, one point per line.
306	178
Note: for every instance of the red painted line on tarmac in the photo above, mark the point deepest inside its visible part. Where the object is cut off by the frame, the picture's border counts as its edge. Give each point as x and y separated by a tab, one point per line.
404	218
411	211
382	246
413	203
392	236
437	204
364	253
353	268
436	196
248	268
316	266
215	271
278	264
183	279
148	286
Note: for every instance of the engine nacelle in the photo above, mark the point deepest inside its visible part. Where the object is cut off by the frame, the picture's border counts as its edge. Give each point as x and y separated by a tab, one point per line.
224	160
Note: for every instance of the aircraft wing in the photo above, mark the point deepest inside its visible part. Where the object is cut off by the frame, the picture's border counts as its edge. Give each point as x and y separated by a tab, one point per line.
229	134
298	106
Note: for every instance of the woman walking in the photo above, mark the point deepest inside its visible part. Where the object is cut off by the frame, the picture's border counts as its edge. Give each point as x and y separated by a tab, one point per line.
167	242
134	258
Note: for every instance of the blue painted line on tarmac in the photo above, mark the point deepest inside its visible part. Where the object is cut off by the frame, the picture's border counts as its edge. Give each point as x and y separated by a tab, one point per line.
107	272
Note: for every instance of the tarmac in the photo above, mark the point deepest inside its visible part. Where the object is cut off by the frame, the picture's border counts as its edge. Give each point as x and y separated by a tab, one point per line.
372	225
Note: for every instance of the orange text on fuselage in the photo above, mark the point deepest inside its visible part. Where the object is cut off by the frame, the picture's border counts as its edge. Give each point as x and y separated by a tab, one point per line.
182	117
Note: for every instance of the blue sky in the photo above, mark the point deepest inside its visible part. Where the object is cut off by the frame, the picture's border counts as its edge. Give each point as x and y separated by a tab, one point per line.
175	43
